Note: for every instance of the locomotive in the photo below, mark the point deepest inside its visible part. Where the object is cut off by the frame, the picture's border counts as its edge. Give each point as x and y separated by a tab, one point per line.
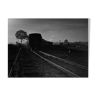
36	42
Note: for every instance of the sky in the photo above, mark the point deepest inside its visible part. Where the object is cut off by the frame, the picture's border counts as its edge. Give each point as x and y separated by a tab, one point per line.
73	30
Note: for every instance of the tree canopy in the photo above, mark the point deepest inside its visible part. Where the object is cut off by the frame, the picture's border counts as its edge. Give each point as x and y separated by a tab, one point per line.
21	35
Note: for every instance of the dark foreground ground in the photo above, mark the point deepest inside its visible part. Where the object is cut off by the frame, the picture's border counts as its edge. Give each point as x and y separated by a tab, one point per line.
30	65
12	52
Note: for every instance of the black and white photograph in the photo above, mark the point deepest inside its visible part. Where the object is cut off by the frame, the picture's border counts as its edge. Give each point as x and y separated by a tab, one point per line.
48	47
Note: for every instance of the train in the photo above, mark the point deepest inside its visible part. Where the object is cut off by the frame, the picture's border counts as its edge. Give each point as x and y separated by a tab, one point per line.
36	42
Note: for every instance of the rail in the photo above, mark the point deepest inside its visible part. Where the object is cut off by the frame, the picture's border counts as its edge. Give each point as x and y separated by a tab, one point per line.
57	66
66	61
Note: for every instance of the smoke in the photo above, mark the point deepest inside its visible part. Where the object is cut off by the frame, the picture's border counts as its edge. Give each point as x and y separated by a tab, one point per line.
51	38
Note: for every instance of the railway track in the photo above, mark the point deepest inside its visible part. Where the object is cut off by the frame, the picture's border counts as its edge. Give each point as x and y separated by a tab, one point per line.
24	67
56	65
28	64
73	69
66	61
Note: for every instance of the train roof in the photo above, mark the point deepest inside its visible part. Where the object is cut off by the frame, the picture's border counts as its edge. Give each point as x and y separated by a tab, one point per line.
38	34
35	34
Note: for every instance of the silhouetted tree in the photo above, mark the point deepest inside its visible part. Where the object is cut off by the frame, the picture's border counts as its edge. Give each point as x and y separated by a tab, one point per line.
66	41
21	35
